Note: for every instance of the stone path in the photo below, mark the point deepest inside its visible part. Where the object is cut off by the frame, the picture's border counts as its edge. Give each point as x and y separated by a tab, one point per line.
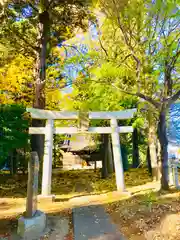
93	223
59	227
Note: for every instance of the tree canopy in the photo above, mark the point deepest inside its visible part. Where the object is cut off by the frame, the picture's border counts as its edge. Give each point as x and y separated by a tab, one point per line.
129	59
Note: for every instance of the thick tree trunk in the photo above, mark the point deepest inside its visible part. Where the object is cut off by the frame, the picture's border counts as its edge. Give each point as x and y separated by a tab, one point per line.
152	141
136	161
37	141
162	135
104	151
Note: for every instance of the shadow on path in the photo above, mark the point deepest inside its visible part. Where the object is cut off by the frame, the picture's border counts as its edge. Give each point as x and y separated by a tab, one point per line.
93	223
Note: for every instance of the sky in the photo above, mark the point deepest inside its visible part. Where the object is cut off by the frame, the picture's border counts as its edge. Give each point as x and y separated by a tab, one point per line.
174	123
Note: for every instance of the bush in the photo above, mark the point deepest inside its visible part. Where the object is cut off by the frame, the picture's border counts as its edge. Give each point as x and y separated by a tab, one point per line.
13	130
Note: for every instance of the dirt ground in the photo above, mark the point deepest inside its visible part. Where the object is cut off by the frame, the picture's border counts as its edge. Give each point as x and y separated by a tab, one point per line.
141	213
148	216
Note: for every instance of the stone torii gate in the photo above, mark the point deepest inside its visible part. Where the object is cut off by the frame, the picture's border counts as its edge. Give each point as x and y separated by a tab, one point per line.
49	130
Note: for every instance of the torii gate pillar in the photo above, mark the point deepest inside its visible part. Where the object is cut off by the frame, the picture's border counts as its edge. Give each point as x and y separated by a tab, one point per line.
48	156
117	156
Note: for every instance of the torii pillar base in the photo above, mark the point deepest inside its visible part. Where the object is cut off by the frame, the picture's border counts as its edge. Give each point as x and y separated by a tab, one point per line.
47	199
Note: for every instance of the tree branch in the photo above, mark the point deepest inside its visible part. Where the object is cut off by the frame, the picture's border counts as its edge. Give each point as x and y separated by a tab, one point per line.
142	96
149	99
71	46
103	48
66	85
173	99
20	37
66	51
127	41
50	3
175	57
129	55
33	7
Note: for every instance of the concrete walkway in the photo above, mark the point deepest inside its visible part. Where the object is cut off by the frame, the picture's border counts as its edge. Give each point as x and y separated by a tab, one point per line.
93	223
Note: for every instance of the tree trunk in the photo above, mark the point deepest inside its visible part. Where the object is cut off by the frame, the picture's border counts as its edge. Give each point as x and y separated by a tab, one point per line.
54	151
152	141
24	168
95	166
110	157
136	161
159	159
148	159
37	141
124	157
13	162
162	135
104	151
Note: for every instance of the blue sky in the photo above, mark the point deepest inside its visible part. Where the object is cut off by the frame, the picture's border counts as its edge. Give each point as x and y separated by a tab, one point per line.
174	123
